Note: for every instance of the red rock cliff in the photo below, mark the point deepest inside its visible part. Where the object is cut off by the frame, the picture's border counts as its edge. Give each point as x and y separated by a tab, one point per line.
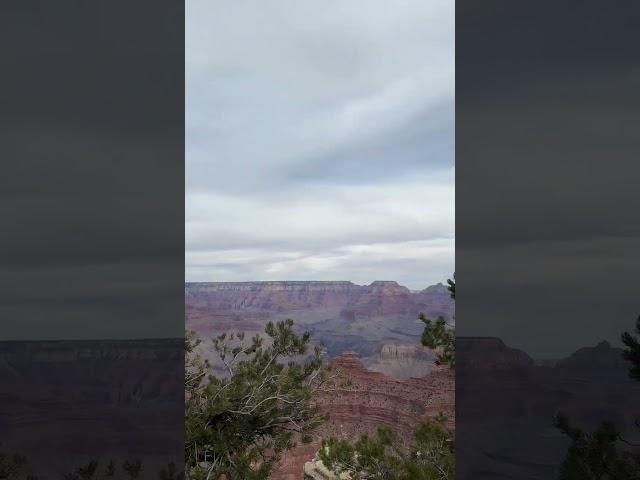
368	400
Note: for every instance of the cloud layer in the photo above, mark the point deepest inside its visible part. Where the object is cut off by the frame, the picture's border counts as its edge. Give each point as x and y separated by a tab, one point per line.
320	141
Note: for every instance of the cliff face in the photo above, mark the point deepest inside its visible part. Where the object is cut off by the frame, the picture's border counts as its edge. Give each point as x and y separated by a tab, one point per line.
95	398
349	300
100	372
508	403
341	315
371	399
402	361
364	400
269	296
602	357
377	323
489	353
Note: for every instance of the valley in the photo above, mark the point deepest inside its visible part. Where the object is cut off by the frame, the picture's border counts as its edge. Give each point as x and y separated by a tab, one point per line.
63	403
371	334
379	322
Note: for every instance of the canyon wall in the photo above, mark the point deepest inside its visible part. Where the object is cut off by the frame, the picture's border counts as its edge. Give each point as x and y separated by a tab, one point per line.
362	400
507	403
371	331
63	402
402	361
341	315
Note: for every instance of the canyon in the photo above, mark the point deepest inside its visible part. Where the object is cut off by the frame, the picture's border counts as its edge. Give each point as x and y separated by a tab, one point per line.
368	400
124	398
65	402
506	402
379	322
371	334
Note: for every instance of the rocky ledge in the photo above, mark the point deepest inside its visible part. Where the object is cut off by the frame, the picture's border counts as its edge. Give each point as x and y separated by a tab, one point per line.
363	400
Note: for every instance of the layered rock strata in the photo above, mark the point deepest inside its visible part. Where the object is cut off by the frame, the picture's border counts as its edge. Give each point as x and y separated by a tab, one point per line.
361	401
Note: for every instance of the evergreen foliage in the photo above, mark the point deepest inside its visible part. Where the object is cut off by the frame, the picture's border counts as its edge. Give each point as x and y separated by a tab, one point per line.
596	455
383	456
452	286
437	336
237	427
11	466
601	455
14	467
632	351
431	456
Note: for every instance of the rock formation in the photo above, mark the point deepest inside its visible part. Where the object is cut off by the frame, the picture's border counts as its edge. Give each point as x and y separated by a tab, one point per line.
316	470
506	403
402	361
340	315
96	399
376	324
489	353
601	357
363	400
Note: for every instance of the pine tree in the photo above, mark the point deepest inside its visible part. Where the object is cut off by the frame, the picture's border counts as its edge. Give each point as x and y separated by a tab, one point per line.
594	455
11	466
382	456
632	351
437	336
238	426
452	286
599	455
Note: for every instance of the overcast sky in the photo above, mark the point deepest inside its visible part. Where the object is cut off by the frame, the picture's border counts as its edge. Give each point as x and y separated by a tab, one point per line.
319	141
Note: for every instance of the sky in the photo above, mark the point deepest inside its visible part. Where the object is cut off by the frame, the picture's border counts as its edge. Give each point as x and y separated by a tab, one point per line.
320	141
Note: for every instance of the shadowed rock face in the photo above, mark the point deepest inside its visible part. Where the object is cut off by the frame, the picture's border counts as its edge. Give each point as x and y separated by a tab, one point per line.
62	402
600	357
489	353
506	404
369	400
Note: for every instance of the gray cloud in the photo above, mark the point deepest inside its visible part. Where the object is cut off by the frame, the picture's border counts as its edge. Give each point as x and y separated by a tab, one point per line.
320	141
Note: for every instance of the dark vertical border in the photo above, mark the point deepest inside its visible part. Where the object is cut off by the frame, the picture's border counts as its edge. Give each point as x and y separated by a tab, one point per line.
92	244
547	227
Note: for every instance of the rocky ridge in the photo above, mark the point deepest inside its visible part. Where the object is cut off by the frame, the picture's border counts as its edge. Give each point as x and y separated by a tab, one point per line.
371	331
119	398
340	315
402	361
364	400
509	401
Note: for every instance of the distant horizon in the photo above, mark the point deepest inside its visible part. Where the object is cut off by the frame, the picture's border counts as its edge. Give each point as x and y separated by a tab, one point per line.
352	282
174	339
